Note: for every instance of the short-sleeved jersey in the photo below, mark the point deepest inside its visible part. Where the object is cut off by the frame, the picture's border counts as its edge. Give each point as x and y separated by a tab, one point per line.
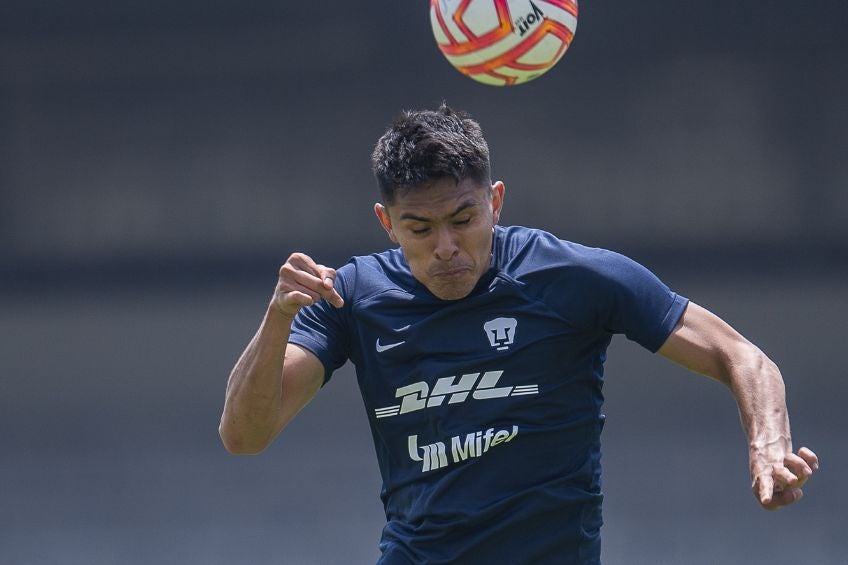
486	411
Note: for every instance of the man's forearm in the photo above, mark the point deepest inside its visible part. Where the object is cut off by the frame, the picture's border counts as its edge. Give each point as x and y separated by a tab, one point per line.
760	393
254	390
759	390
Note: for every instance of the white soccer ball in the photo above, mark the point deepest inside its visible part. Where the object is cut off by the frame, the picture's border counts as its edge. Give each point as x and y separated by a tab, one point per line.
503	42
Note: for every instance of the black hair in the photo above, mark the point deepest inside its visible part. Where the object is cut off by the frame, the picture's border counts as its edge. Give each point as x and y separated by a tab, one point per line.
424	146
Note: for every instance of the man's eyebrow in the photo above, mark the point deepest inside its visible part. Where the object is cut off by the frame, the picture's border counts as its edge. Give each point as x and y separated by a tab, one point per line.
464	206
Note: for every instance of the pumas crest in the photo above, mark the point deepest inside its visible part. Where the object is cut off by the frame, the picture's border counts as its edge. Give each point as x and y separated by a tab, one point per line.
501	332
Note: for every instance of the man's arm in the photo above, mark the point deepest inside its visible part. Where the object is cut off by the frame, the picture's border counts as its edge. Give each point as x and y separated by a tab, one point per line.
273	379
704	343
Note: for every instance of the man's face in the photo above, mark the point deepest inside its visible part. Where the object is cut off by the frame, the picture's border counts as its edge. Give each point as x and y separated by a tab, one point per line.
445	232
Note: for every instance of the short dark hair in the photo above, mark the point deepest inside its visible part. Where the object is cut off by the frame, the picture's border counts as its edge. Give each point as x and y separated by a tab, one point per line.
424	146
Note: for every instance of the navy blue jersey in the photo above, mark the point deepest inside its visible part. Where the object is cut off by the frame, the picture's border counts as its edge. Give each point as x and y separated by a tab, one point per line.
486	411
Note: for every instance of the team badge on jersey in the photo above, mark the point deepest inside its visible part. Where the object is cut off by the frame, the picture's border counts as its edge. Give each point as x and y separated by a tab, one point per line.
501	332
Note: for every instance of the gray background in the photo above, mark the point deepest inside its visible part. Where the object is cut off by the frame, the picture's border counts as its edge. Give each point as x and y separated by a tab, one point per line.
159	160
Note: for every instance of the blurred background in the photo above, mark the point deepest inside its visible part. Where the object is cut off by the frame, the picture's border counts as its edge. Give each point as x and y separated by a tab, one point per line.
160	160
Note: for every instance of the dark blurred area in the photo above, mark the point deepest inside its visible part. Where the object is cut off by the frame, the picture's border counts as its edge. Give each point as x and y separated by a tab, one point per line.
160	160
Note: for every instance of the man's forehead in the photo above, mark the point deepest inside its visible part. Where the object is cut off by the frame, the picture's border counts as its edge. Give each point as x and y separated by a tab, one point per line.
441	198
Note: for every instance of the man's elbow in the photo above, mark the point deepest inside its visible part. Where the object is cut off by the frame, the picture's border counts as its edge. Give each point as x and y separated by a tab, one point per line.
238	444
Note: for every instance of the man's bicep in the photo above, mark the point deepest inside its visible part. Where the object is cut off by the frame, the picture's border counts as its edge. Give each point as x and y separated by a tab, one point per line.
303	375
702	342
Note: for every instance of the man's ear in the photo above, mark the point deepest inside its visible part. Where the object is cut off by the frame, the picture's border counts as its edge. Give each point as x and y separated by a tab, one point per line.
385	221
498	190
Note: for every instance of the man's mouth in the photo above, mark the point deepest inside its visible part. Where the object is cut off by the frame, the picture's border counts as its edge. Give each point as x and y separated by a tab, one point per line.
451	272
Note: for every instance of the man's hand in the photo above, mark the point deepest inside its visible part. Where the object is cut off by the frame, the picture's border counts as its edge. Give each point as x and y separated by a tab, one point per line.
778	474
303	282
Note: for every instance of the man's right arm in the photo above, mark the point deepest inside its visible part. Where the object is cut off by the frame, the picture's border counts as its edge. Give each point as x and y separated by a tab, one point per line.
273	379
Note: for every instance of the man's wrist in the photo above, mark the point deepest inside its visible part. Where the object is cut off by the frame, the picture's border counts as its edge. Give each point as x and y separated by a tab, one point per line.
278	315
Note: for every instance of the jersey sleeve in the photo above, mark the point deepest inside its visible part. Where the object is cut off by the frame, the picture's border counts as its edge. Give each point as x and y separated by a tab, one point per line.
324	329
603	292
631	300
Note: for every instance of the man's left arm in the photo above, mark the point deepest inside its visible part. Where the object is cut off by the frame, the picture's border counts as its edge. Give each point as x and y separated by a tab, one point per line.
704	343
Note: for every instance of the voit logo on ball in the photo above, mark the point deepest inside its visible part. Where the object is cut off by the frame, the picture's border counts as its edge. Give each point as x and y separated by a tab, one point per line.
503	42
523	23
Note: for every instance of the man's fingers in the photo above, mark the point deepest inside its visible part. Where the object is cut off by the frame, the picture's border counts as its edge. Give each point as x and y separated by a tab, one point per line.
773	496
329	280
809	457
799	467
326	288
334	298
289	302
301	274
764	489
781	485
784	498
301	298
292	278
784	478
303	262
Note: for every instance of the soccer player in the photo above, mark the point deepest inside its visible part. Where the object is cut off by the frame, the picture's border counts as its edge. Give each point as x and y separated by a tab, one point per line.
479	351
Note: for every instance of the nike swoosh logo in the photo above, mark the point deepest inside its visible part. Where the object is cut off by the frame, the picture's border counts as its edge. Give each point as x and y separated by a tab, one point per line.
386	347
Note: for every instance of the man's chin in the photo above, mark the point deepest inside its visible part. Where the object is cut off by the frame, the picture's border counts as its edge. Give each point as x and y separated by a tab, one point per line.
450	291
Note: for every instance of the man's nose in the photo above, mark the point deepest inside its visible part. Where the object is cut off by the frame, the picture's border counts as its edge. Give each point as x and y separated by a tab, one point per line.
446	246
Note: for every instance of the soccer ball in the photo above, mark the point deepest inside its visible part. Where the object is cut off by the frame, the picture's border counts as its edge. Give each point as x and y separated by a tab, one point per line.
503	42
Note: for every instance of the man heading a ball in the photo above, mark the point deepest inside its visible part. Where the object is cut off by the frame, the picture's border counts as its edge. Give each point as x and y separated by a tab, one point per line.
479	352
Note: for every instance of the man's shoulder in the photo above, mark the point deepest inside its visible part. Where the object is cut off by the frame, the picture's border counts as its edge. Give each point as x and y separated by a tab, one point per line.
366	275
522	250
